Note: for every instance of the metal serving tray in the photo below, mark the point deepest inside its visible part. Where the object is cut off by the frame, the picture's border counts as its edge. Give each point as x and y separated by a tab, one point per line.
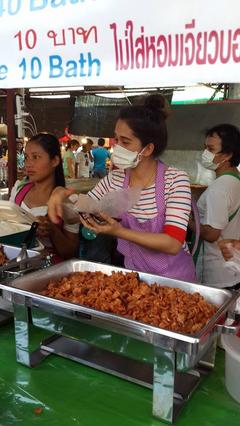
173	353
7	272
11	252
191	344
13	270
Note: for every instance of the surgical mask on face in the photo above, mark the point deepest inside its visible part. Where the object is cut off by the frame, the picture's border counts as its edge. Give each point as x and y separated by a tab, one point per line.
207	160
123	159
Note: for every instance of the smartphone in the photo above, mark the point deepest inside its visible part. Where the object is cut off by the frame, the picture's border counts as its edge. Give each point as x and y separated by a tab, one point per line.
95	217
98	219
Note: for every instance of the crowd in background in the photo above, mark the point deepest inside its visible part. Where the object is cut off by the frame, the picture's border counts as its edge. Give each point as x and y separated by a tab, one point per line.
80	160
86	160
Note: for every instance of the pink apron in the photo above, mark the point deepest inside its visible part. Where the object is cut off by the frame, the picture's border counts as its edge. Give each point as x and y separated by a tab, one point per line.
179	266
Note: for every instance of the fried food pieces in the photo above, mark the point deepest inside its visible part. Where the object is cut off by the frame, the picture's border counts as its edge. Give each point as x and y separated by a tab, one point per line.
3	258
125	295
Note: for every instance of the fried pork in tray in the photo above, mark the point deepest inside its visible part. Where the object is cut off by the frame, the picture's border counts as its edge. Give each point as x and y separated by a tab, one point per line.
126	295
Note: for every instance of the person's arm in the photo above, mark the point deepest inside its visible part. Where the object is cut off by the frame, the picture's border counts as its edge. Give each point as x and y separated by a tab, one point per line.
178	203
55	203
216	213
60	194
64	242
227	246
70	167
207	232
153	241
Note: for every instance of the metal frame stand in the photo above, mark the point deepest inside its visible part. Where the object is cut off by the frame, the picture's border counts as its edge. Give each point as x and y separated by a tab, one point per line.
171	389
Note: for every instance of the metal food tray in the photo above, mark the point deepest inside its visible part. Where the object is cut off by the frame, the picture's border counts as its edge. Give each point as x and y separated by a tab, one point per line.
11	251
7	272
174	354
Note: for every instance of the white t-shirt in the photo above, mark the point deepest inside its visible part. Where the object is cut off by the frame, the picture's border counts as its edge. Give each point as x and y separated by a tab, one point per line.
83	160
216	205
40	211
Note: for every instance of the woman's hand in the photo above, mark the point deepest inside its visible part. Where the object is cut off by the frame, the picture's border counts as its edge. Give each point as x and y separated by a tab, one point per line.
55	202
227	246
44	227
108	225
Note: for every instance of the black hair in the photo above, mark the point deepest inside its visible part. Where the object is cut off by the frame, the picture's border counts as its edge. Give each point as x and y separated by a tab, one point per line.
71	143
101	141
148	122
230	140
50	144
20	146
88	141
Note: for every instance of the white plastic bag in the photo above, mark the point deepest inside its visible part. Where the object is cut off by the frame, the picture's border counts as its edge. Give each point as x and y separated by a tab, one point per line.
114	204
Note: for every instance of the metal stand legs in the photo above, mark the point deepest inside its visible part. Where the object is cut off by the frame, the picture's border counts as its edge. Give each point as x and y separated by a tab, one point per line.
171	389
22	338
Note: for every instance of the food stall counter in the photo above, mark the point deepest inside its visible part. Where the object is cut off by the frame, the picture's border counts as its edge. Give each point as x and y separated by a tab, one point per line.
82	185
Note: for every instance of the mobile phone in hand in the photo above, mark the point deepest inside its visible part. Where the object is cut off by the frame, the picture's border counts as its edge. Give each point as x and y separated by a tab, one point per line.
97	219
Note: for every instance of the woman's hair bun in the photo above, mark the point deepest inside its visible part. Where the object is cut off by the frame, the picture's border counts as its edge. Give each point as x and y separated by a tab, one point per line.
157	105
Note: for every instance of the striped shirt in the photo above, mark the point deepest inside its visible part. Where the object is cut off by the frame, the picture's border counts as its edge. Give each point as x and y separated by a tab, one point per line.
177	199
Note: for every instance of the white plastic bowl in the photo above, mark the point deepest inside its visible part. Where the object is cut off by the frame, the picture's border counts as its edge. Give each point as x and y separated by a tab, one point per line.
231	344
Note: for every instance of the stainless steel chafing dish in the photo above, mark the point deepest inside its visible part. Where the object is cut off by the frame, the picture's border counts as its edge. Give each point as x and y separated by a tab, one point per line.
177	361
12	269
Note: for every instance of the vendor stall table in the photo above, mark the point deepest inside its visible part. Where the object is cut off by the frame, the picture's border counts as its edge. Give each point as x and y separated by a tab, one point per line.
60	392
82	185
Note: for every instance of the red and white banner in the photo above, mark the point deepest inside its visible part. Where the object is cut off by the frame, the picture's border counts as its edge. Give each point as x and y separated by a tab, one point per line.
138	43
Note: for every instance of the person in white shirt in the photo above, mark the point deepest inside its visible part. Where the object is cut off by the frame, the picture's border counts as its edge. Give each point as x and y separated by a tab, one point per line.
219	205
84	159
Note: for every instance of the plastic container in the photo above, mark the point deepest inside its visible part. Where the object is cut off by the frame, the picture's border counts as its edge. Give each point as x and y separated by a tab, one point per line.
14	224
231	344
14	234
16	239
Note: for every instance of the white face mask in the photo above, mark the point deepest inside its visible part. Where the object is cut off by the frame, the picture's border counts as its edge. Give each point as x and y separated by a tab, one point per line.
207	160
123	159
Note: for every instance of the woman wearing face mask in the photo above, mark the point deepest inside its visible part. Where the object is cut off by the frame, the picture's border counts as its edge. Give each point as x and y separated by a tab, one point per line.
219	205
151	235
